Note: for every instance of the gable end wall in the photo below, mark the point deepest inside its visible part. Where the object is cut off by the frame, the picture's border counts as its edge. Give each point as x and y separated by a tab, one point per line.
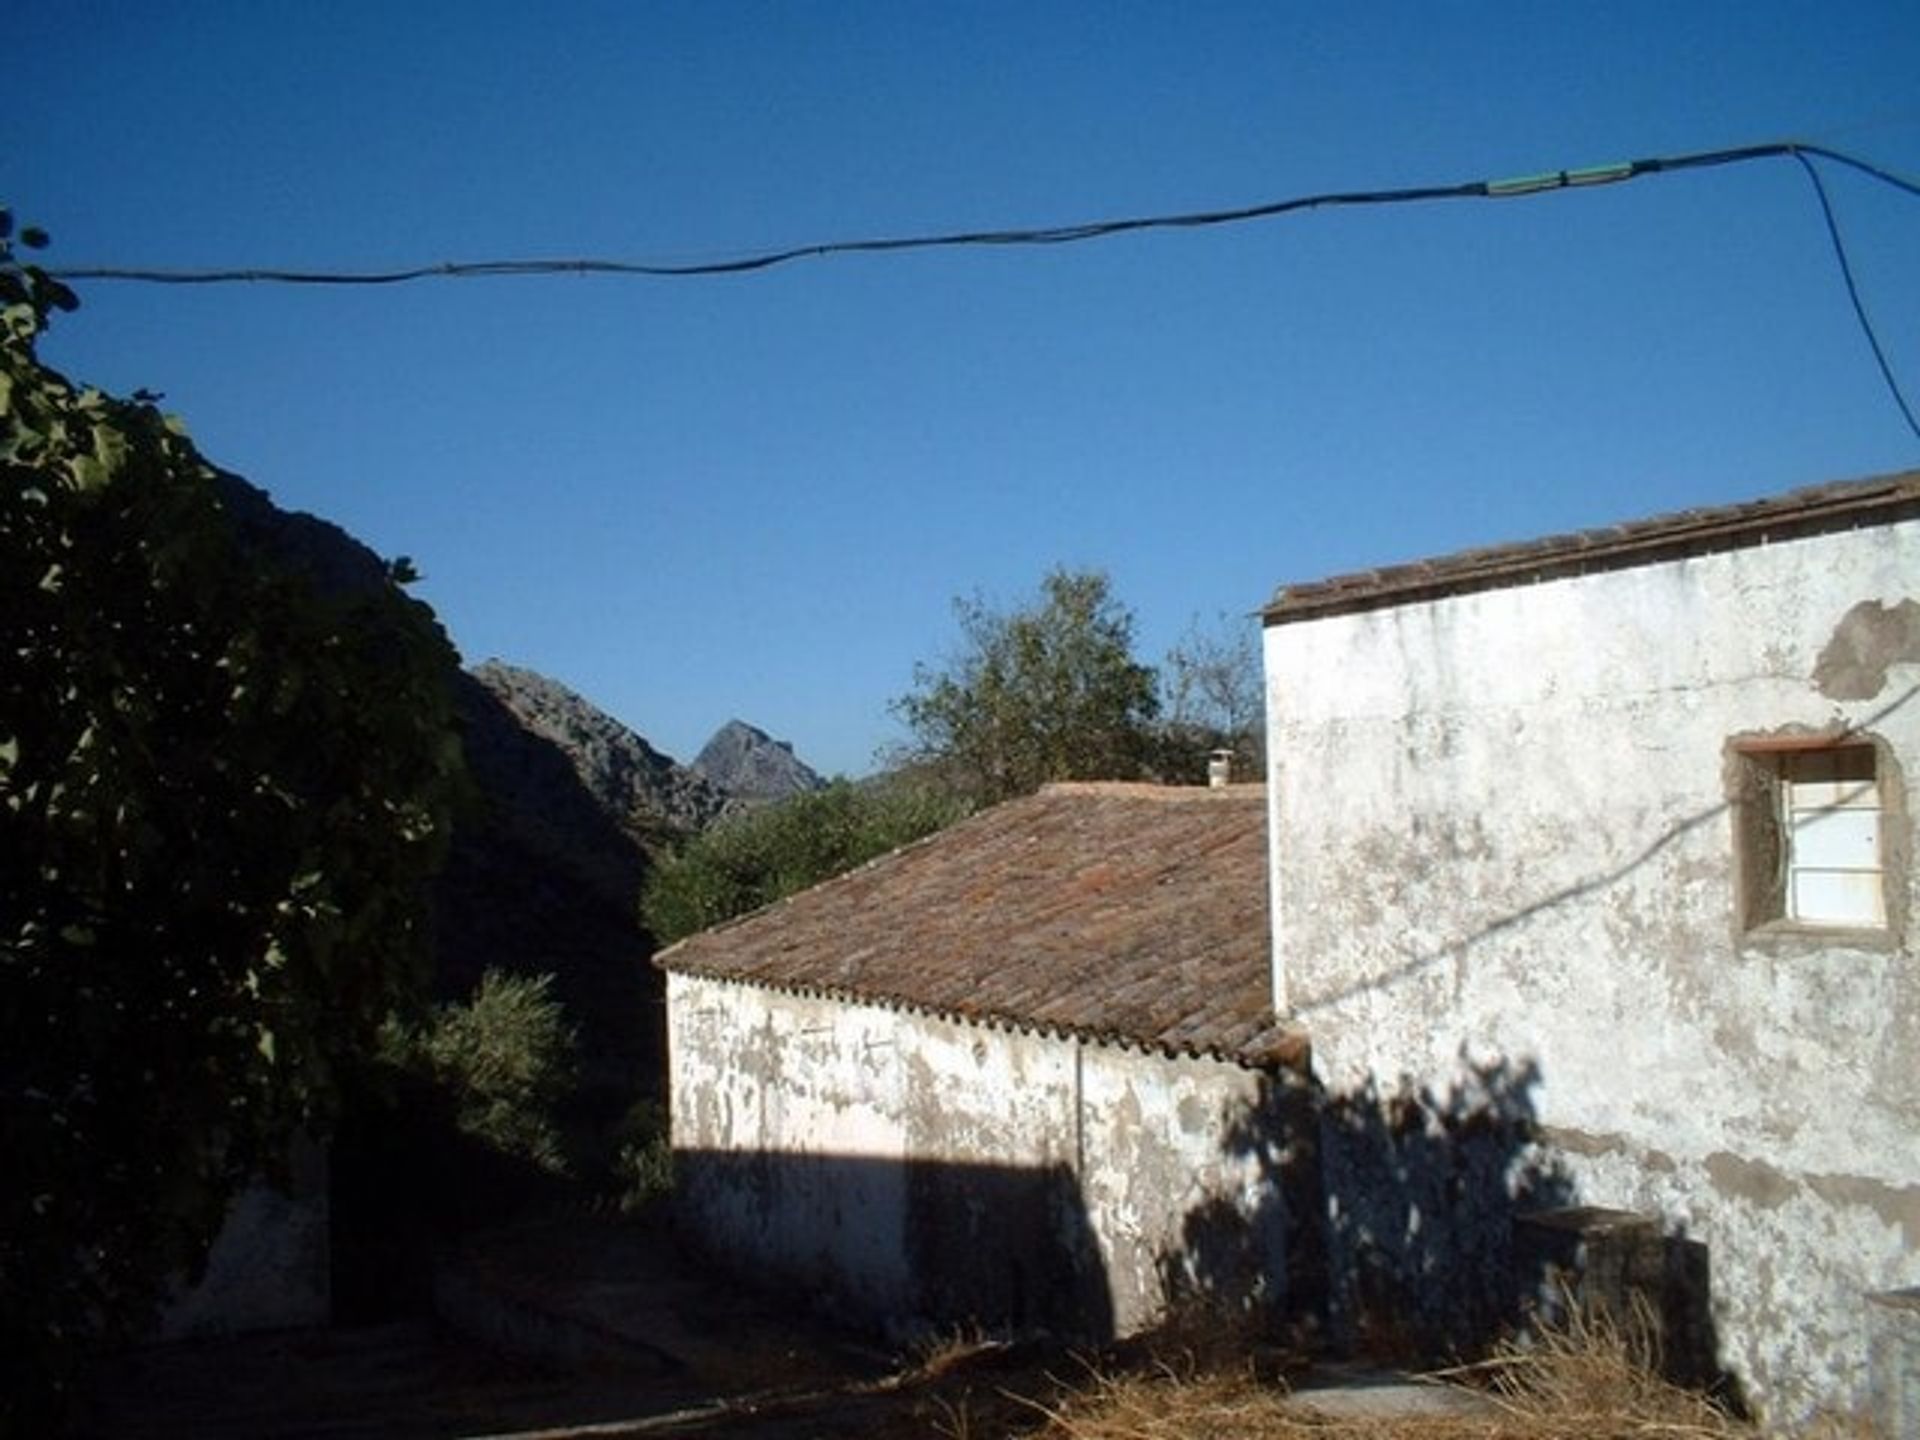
1501	831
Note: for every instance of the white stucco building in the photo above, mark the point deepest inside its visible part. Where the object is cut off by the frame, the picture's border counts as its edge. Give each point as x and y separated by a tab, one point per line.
1631	812
1012	1074
1586	880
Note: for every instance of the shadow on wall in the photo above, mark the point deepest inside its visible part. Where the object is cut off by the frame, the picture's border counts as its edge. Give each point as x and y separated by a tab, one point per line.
1424	1224
1423	1188
922	1244
1414	1225
1399	1208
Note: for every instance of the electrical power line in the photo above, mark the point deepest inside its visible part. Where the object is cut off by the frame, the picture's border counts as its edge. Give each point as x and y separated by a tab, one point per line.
1853	293
1044	235
1507	189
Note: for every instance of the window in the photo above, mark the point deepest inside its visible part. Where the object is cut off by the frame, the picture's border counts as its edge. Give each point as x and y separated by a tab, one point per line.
1830	810
1808	829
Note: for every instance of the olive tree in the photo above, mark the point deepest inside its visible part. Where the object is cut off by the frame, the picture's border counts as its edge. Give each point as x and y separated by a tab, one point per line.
1047	691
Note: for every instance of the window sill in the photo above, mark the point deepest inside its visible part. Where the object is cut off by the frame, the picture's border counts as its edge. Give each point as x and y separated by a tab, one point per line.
1797	936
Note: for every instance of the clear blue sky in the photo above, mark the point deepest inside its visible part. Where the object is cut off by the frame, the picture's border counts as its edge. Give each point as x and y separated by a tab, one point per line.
756	496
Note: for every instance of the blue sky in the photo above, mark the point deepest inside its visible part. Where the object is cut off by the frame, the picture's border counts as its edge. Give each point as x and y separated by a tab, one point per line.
758	495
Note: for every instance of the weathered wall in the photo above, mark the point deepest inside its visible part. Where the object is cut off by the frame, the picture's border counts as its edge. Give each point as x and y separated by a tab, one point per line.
925	1171
269	1265
1501	835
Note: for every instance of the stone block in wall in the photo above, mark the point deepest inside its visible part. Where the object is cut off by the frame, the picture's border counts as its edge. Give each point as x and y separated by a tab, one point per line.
1621	1266
1893	1360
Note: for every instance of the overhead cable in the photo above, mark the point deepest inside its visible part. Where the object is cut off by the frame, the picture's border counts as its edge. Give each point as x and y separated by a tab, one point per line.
1506	189
1043	235
1853	294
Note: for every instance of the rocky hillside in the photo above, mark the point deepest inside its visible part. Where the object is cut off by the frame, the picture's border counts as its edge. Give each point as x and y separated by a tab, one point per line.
749	765
546	866
641	790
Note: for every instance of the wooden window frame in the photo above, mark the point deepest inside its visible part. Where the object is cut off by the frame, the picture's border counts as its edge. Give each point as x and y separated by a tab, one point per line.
1760	781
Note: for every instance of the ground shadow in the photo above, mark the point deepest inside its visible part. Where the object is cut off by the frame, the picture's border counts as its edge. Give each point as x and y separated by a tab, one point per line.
539	879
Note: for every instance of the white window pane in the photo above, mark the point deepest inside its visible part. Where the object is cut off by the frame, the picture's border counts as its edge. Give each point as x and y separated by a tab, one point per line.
1837	897
1837	839
1823	794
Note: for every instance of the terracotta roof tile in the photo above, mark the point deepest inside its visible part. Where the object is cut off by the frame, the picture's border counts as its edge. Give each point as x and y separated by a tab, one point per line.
1133	914
1636	542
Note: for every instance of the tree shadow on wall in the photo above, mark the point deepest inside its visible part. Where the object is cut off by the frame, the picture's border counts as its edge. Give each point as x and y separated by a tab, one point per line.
1422	1191
1421	1225
1398	1209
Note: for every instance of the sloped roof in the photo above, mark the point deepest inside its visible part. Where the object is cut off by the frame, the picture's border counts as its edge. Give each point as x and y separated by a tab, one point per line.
1841	505
1129	914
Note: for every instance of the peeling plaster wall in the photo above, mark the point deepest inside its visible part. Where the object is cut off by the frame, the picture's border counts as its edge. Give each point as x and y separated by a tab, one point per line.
1500	829
924	1171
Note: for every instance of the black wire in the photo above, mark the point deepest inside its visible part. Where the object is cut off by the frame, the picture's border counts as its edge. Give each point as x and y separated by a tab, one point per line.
1045	235
1853	294
1099	229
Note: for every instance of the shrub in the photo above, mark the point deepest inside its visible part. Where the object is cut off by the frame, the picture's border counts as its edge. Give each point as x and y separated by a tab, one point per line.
643	1158
504	1060
751	860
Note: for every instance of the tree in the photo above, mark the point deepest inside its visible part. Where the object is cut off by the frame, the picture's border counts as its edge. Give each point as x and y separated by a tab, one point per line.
1050	691
753	859
222	791
1215	700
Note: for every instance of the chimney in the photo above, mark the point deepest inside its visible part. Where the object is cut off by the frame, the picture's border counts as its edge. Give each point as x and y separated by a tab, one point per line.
1219	768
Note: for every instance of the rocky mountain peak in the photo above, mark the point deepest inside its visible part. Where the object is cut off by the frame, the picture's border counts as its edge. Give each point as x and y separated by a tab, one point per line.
750	765
630	780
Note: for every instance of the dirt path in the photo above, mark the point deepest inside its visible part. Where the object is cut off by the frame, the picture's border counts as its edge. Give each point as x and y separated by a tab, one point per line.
592	1328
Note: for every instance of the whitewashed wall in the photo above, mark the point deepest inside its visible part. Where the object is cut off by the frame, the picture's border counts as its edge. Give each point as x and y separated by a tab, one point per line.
924	1171
1500	831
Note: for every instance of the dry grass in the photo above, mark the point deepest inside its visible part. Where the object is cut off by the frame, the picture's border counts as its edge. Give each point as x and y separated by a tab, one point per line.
1587	1381
945	1351
1591	1377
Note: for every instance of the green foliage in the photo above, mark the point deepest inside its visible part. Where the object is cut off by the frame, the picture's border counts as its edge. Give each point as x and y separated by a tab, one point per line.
753	859
505	1061
1047	692
221	797
643	1158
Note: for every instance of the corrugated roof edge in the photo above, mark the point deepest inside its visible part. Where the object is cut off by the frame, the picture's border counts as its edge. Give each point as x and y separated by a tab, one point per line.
1807	511
1278	1045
